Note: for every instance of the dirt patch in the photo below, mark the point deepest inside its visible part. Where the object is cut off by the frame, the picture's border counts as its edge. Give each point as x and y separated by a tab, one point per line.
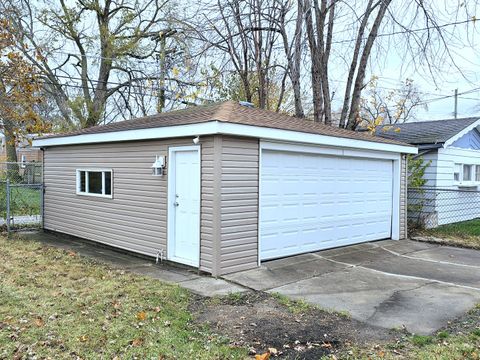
258	321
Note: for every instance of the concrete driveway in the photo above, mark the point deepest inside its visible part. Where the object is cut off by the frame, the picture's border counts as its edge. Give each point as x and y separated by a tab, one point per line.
389	283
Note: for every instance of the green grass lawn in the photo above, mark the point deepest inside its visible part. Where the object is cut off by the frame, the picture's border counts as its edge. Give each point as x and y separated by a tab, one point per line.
55	304
25	201
465	233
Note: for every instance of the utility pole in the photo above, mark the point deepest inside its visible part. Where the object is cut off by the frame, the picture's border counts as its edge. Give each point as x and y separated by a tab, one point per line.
455	109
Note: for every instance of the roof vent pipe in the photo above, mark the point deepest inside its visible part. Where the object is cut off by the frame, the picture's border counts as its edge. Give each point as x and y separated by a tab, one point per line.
246	104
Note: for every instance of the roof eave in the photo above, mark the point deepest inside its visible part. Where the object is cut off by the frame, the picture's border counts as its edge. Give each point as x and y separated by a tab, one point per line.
459	134
429	146
226	128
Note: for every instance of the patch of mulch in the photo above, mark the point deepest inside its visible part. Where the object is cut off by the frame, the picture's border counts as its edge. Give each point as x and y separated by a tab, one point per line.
258	321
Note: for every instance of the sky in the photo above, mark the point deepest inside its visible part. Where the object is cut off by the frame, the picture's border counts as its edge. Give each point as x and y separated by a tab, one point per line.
460	70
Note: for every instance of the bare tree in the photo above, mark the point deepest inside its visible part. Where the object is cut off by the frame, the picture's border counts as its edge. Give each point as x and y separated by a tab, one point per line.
89	51
320	44
390	106
292	46
244	35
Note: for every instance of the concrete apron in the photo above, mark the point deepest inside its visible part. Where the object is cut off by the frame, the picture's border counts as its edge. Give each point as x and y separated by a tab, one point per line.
184	277
391	284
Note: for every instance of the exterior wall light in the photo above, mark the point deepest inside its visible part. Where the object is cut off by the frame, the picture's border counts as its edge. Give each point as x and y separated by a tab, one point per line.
158	166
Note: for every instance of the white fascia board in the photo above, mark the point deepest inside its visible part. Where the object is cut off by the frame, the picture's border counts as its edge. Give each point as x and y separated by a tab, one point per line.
461	133
218	127
309	138
131	135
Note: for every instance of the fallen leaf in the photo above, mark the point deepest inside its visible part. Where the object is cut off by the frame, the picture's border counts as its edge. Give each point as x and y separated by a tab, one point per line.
167	323
142	315
72	254
116	304
83	338
273	351
264	356
39	322
137	342
157	309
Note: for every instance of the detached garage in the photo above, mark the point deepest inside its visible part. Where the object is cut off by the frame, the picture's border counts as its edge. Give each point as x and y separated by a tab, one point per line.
225	186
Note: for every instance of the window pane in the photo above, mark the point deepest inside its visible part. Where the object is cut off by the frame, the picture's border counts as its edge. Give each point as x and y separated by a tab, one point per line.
108	183
477	173
95	182
467	172
82	181
456	172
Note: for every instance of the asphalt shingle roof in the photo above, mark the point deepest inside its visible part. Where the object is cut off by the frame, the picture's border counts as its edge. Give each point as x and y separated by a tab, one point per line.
425	132
231	112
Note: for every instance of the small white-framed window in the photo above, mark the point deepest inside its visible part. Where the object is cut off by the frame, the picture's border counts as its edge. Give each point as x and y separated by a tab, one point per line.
95	182
477	173
23	161
457	170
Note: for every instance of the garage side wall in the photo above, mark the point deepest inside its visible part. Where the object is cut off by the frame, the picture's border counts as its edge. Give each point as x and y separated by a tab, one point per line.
208	222
136	218
403	197
239	167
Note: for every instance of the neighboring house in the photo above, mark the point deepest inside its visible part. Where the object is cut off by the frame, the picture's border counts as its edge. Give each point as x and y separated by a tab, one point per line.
25	152
230	186
453	149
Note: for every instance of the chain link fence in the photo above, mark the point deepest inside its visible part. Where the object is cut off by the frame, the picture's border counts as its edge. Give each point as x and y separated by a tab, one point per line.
429	207
21	195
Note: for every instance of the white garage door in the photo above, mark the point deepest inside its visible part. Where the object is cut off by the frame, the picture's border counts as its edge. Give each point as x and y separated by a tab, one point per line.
311	202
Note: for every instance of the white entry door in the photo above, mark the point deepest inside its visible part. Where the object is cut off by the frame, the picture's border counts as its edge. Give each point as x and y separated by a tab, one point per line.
184	205
310	202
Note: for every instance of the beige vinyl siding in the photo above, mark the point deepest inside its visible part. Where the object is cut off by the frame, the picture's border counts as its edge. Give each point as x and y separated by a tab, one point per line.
207	228
403	197
239	164
136	218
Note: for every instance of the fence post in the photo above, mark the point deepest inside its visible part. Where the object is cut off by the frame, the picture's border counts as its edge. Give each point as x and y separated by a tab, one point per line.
8	205
42	206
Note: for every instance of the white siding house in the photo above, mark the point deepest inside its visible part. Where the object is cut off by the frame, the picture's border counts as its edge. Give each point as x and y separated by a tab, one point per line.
452	149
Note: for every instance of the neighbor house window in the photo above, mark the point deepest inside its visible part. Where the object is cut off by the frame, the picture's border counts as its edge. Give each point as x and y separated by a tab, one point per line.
477	173
467	172
94	182
23	161
456	172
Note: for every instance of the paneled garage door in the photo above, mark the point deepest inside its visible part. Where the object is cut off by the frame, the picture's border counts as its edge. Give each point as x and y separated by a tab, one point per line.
311	202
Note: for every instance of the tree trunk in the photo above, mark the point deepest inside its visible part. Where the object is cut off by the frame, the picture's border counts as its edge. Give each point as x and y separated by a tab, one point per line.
296	62
357	90
13	170
353	64
316	66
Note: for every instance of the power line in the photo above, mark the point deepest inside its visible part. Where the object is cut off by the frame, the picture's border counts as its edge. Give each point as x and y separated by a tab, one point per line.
426	28
400	32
